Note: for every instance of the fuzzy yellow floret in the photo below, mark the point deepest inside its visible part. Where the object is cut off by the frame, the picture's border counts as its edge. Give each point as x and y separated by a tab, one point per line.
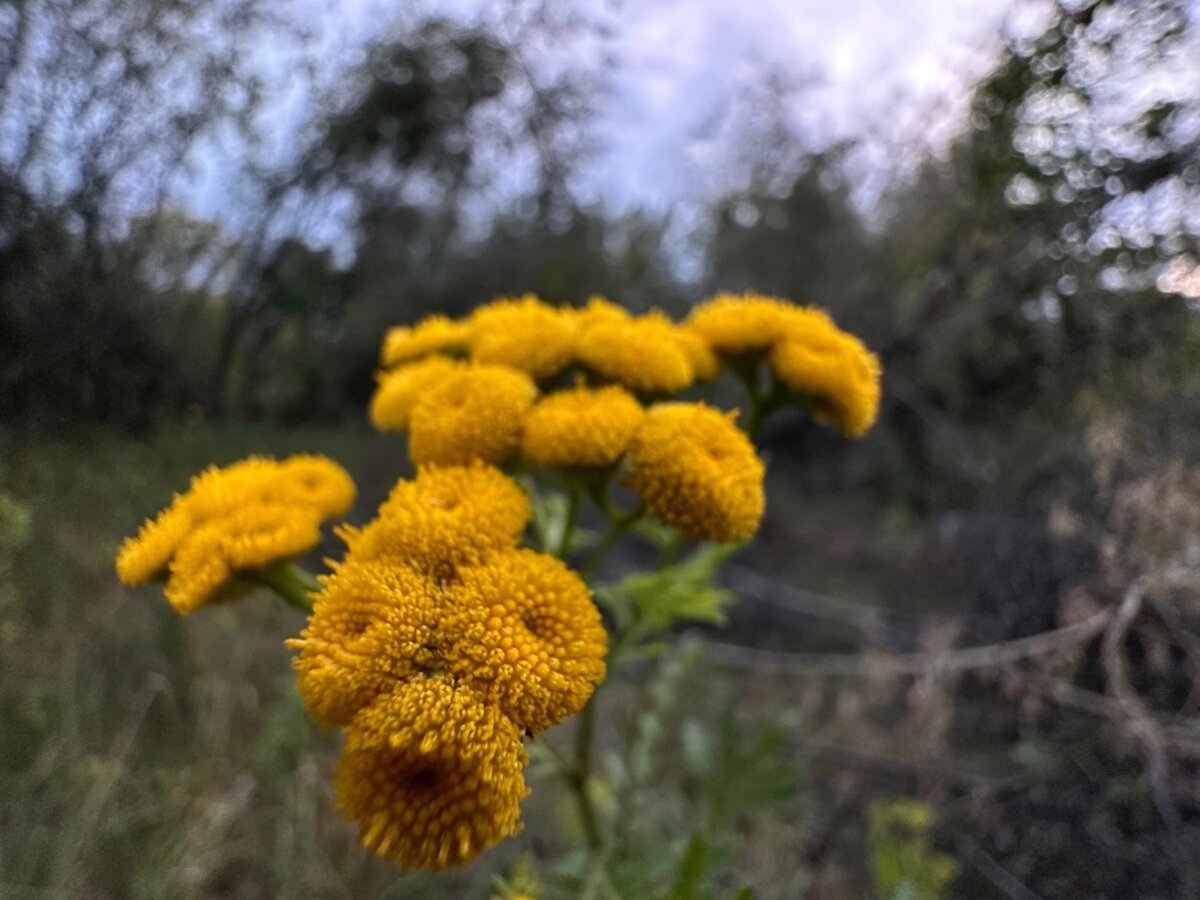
834	367
705	364
432	776
245	516
472	414
581	427
524	334
642	354
250	537
733	324
399	390
145	556
436	334
445	518
598	309
696	471
372	627
527	637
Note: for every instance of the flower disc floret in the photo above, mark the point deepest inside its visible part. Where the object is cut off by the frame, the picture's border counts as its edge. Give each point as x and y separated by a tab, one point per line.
527	637
372	627
642	354
732	324
432	776
436	334
524	334
399	390
245	516
251	537
836	369
472	414
696	471
445	518
581	427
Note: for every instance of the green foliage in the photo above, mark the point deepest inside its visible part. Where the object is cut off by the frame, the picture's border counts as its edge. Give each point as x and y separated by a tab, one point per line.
904	865
645	603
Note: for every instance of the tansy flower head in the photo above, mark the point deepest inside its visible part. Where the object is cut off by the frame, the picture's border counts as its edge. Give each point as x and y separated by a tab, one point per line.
733	324
836	369
371	628
597	310
696	471
251	537
245	516
445	518
526	636
399	390
643	354
581	427
436	334
432	775
524	334
472	414
705	364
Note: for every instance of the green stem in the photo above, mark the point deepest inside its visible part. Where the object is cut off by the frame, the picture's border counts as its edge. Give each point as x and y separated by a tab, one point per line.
617	526
574	498
583	773
294	584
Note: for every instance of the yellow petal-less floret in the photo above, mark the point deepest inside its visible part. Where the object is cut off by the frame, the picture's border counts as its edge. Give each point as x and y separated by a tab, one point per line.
372	628
581	427
436	334
696	471
251	537
837	369
315	481
445	518
432	776
524	334
705	363
598	309
733	324
643	354
245	516
145	555
400	389
472	414
527	637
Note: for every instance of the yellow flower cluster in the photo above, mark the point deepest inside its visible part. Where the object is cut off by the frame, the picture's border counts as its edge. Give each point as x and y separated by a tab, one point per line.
234	520
805	350
697	471
437	644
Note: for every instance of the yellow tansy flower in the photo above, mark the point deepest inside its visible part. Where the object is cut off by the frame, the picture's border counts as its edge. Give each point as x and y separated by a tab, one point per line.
524	334
581	427
597	310
432	775
705	363
472	414
372	627
445	518
696	471
642	354
248	538
837	369
399	390
527	637
245	516
739	324
436	334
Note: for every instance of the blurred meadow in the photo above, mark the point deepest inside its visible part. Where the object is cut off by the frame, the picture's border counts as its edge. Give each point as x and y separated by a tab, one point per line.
964	656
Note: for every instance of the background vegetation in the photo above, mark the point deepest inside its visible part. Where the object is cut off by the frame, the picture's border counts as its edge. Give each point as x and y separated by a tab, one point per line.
1033	295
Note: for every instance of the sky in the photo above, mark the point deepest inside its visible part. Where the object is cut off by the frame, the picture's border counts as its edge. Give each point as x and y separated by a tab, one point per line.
681	79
